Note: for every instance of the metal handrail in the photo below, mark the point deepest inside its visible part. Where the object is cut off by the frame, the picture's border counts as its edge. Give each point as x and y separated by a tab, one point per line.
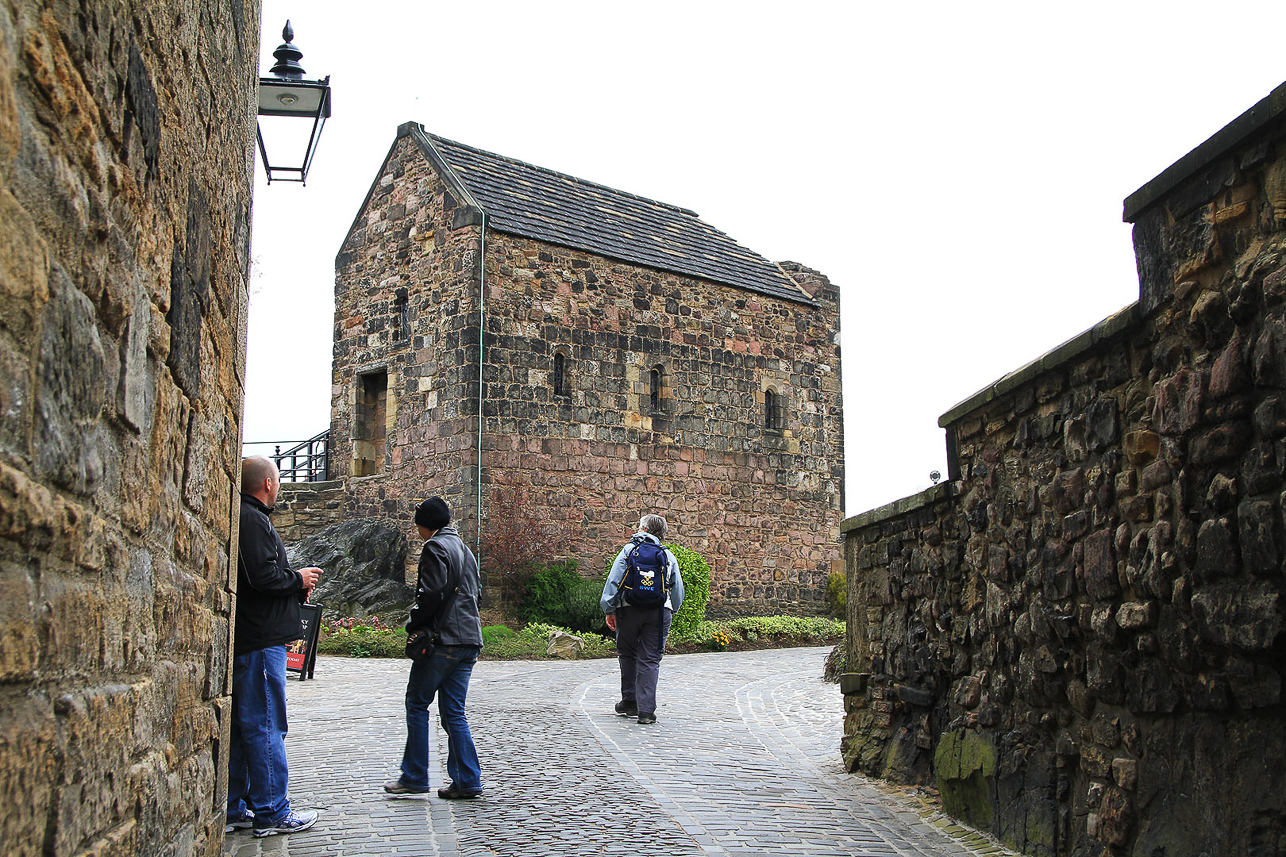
308	460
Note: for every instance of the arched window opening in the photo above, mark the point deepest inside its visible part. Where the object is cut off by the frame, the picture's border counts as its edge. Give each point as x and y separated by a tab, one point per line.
560	374
772	410
654	391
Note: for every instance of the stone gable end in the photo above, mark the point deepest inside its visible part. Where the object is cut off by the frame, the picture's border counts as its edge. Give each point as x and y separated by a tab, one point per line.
611	389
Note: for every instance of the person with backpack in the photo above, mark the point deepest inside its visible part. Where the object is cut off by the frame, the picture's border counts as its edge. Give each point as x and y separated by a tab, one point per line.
643	592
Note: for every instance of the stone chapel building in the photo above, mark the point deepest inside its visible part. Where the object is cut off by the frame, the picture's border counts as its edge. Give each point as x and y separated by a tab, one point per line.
633	359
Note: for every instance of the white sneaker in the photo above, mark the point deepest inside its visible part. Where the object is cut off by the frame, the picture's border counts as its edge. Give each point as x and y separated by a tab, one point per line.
292	823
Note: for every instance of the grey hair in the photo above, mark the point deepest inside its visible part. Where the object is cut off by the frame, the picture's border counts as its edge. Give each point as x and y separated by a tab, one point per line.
655	525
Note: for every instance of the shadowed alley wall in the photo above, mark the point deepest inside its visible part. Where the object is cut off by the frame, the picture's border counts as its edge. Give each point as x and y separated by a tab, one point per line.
125	187
1079	636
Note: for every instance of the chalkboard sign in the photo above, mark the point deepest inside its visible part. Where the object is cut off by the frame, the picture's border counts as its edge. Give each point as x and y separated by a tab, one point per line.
301	655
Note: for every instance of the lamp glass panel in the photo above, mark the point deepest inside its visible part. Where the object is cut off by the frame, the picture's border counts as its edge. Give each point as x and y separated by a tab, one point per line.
285	139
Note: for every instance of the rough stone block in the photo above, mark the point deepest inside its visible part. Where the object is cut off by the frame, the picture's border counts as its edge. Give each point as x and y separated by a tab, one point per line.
1220	443
965	763
1136	615
1099	568
19	642
24	288
27	764
1259	554
1246	617
1230	374
96	739
71	390
1096	762
1270	416
1177	403
1255	686
1230	757
1268	355
1117	814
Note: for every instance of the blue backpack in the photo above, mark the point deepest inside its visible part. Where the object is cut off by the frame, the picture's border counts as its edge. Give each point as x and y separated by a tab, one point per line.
646	582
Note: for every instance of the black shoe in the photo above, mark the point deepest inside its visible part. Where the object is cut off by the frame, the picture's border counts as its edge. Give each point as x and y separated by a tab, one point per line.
454	792
645	719
627	708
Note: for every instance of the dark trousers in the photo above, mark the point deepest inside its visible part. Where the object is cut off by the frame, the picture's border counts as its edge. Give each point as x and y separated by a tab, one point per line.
640	643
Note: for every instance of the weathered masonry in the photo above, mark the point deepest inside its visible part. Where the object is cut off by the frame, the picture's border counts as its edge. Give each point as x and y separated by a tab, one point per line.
1080	636
634	359
125	185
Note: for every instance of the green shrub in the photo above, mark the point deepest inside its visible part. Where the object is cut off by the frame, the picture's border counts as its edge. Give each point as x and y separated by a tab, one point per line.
802	628
494	633
362	641
584	612
696	590
790	630
837	593
836	663
548	592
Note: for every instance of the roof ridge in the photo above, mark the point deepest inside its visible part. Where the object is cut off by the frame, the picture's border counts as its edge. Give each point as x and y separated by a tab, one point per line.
568	176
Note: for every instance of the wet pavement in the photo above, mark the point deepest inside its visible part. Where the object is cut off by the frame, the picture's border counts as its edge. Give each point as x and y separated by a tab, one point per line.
743	762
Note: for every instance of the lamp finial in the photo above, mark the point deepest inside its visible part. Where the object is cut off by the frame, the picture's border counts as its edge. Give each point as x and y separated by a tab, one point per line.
288	56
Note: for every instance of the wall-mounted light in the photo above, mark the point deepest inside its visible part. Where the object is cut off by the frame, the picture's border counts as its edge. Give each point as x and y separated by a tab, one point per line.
285	97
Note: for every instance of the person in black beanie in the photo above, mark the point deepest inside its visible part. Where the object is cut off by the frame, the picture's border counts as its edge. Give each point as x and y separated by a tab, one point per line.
446	614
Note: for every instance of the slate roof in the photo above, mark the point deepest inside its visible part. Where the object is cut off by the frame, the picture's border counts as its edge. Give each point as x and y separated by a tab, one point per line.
534	202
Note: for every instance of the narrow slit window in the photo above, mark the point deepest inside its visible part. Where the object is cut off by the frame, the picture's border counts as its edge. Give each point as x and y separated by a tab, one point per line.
369	429
560	375
772	410
402	316
654	390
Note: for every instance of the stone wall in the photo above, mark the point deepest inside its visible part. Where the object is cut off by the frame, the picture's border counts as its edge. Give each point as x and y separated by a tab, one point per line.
762	505
125	185
305	508
1079	638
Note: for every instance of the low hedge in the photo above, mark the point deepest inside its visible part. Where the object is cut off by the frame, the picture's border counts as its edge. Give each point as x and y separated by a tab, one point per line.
530	642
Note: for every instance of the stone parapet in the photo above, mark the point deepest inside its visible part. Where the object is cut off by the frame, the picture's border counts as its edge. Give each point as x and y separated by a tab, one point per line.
1090	618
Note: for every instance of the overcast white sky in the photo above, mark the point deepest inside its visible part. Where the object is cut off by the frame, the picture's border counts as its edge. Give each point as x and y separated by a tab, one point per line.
956	169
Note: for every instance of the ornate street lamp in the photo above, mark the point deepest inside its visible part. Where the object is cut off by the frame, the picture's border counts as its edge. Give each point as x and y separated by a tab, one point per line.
286	95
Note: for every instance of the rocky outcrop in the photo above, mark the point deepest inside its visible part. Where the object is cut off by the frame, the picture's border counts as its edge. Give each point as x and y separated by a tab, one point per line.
364	565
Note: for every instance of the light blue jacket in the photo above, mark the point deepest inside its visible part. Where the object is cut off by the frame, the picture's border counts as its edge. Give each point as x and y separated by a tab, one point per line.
612	595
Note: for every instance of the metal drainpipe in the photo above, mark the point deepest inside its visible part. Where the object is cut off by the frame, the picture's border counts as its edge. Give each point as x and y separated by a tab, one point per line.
482	332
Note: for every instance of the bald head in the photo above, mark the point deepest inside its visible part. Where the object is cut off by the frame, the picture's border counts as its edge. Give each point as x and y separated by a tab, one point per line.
260	479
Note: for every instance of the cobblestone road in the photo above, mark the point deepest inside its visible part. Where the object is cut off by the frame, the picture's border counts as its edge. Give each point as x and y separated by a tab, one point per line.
743	762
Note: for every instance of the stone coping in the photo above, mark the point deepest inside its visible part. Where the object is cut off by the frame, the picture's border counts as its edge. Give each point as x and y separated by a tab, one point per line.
1124	320
927	497
324	485
1268	109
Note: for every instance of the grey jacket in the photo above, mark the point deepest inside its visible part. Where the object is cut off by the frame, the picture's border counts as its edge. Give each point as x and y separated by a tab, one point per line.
448	584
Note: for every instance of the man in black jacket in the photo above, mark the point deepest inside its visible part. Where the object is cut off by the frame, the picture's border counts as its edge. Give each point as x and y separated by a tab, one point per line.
445	613
269	593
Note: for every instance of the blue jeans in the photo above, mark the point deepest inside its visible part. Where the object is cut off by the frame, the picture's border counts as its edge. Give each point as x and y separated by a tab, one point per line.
446	674
257	776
